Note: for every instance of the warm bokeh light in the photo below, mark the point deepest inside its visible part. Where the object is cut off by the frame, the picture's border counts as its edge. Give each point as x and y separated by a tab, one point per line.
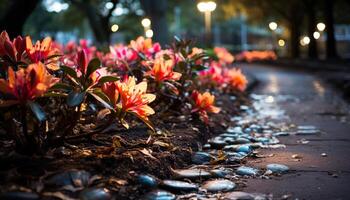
321	26
114	28
317	35
207	6
281	43
146	22
273	26
149	33
305	41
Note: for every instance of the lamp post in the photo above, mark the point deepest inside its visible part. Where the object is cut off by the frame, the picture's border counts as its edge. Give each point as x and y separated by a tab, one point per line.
207	7
273	27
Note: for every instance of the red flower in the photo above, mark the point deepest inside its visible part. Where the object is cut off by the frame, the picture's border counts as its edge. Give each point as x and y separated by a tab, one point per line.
204	103
163	71
111	90
26	84
11	52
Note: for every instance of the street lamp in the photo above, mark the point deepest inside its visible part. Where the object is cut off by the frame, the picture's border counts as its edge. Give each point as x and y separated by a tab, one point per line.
207	7
273	26
146	23
321	26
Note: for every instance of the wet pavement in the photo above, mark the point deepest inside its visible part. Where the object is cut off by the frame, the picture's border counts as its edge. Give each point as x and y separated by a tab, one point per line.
319	163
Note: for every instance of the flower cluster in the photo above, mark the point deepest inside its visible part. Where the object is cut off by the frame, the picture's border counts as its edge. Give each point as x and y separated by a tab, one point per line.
251	56
137	79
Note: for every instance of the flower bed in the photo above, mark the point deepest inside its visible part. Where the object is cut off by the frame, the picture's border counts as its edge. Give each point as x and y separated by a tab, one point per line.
116	113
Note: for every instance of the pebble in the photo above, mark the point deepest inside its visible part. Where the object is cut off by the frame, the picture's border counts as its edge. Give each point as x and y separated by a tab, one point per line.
308	132
277	168
279	134
159	195
218	185
307	127
191	173
95	194
73	177
217	143
244	148
244	196
241	141
179	186
147	181
19	195
249	171
323	154
201	158
236	129
219	173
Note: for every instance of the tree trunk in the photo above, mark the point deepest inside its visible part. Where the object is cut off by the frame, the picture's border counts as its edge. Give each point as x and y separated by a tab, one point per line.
99	24
16	15
311	24
331	48
156	11
294	38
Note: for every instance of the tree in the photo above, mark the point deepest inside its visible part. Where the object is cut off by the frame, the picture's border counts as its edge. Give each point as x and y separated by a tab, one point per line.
156	11
99	22
331	48
16	14
311	26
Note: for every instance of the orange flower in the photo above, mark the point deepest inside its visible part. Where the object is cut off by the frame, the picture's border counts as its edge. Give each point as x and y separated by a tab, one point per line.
203	103
111	90
236	79
41	52
134	99
163	70
225	57
26	84
145	46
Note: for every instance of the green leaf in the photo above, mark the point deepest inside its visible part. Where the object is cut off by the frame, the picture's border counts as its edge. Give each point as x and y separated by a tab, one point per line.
199	67
70	71
54	94
61	87
75	98
105	79
101	97
94	64
37	111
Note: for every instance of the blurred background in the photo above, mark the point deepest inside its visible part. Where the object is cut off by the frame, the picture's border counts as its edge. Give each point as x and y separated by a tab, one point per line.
314	29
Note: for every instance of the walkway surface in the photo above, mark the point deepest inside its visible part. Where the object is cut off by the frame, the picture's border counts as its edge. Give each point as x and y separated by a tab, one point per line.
321	168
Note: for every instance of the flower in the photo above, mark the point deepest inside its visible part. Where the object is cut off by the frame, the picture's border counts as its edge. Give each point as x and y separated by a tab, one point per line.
213	75
120	57
111	90
41	52
134	99
145	46
236	79
98	74
163	71
11	52
26	84
203	103
224	56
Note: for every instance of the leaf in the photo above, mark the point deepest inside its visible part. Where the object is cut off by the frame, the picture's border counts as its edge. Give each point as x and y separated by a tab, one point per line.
54	94
70	71
108	79
148	153
94	64
75	98
124	123
62	87
103	113
101	97
199	67
37	111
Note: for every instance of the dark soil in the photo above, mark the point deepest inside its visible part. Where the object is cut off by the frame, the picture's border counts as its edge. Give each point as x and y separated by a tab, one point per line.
116	157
